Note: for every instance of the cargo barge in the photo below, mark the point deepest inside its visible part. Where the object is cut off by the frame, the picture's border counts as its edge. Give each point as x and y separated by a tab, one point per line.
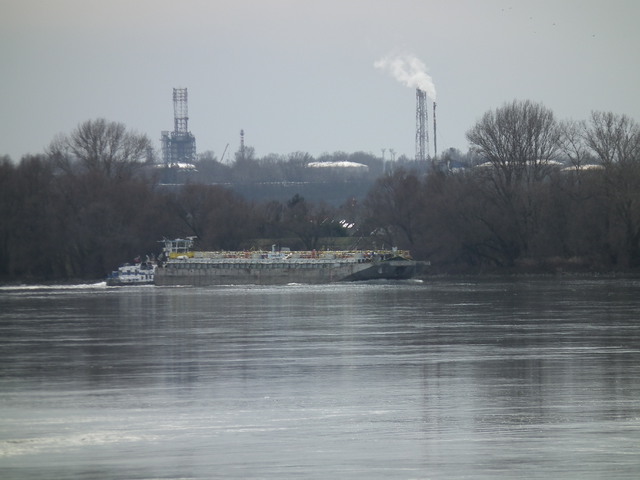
180	265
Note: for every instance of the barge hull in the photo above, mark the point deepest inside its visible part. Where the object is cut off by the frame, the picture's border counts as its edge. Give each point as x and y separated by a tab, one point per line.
205	274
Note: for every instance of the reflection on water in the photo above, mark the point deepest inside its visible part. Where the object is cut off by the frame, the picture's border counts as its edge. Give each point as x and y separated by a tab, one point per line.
443	379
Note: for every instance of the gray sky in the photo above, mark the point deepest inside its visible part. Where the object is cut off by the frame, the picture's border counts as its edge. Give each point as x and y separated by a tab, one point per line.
299	75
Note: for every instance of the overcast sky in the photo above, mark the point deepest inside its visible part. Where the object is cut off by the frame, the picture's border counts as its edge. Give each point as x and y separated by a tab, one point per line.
299	75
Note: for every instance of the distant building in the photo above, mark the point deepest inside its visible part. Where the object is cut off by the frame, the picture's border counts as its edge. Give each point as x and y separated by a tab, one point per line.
341	166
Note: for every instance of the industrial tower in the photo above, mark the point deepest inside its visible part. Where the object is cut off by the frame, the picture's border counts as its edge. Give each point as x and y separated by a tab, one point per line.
422	132
179	146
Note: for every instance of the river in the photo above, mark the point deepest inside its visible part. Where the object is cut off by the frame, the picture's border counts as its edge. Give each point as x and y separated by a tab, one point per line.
442	379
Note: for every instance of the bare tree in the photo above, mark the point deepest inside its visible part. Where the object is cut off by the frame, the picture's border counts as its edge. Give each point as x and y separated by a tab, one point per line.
613	138
217	216
573	144
99	146
519	141
615	142
394	208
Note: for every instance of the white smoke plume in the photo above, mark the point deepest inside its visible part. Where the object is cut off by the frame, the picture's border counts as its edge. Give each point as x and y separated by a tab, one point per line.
409	70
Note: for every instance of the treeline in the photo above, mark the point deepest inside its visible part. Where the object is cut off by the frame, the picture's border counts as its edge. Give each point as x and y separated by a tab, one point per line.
535	194
543	195
81	224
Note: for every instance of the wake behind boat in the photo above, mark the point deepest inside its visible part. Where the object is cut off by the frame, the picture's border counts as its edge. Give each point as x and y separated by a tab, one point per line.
183	266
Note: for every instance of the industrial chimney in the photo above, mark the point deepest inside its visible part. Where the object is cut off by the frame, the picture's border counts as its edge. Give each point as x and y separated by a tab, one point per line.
435	140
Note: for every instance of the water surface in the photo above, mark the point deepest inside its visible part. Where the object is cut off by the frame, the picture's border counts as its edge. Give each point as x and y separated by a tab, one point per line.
528	378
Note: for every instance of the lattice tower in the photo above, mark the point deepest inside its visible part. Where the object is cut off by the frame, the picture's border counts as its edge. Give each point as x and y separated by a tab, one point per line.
179	146
422	133
180	110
